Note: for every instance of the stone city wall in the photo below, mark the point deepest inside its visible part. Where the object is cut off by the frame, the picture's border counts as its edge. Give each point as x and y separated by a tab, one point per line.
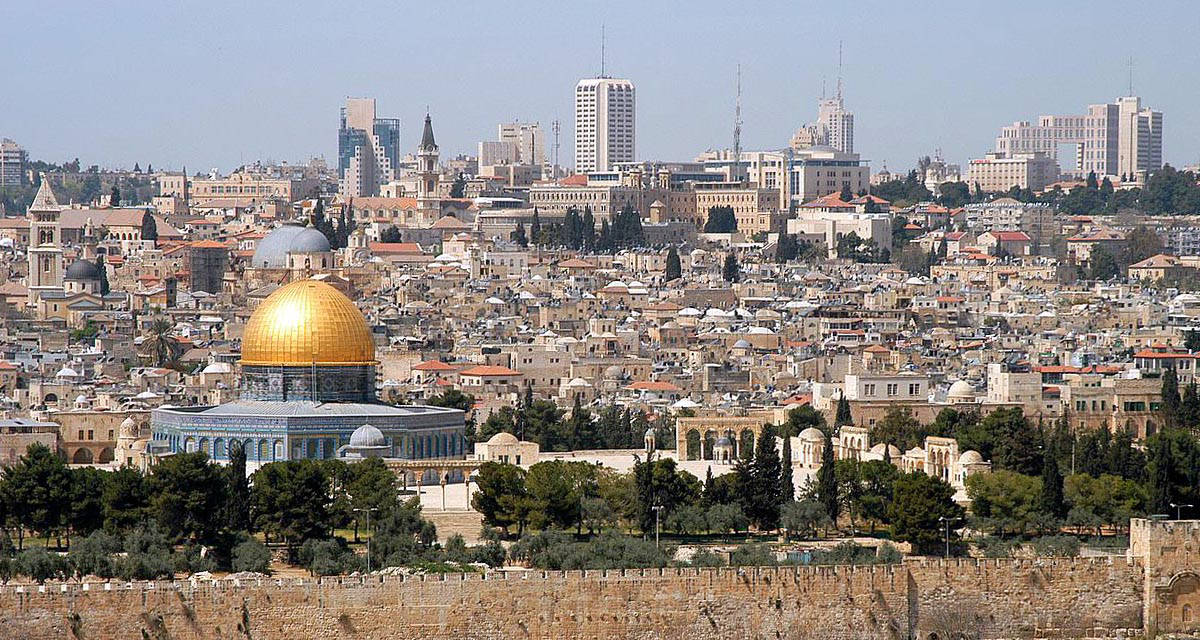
1080	598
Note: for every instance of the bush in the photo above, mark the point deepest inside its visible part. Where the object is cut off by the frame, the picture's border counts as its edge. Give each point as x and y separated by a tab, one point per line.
149	565
749	555
723	518
706	558
993	547
888	554
251	555
194	559
329	557
552	549
93	555
40	565
1057	546
456	550
490	553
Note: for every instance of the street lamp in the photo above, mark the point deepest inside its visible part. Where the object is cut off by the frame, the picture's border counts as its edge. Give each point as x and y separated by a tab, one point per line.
368	510
946	523
657	510
1179	508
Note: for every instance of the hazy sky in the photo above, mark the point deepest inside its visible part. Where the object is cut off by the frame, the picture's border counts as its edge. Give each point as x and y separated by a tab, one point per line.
214	83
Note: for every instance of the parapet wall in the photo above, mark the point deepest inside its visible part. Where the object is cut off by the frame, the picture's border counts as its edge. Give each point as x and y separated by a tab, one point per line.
1082	598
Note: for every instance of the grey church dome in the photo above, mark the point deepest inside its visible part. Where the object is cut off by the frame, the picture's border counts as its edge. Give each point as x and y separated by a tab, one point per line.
310	241
82	270
273	249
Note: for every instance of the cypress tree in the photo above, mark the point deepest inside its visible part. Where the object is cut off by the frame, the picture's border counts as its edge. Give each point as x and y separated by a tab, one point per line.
730	270
535	228
1170	397
518	235
103	269
1052	483
827	493
843	412
1161	467
787	488
238	506
674	270
114	197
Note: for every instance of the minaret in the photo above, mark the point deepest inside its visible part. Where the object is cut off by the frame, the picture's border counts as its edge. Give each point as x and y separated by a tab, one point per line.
45	243
428	202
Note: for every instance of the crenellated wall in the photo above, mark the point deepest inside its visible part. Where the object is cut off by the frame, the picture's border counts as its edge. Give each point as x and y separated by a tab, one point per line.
994	599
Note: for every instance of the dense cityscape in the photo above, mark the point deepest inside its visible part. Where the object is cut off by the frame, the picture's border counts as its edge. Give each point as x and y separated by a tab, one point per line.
551	386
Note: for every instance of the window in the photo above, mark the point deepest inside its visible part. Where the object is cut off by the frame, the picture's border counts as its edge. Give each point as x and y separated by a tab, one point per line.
914	389
893	388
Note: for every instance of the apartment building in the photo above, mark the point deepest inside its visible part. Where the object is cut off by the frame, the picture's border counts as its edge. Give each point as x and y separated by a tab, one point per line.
1117	138
1000	171
604	123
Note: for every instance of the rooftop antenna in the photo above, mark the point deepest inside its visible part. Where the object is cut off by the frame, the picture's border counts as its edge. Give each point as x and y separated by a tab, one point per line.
839	84
737	129
1131	76
602	51
555	126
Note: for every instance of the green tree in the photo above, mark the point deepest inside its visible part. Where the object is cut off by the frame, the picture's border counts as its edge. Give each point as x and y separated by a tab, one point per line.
535	226
898	427
1051	501
102	268
804	518
827	485
372	489
1102	264
114	197
501	496
1141	243
846	195
251	555
920	508
37	491
290	501
159	345
556	490
843	417
87	500
731	271
237	508
674	270
459	188
1170	398
721	220
758	482
126	500
1174	467
187	494
787	486
1004	501
661	483
518	235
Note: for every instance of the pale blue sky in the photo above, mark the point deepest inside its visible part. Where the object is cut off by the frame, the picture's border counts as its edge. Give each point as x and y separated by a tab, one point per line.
216	83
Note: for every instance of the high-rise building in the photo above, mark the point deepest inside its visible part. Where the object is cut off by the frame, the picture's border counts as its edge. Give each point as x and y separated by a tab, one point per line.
12	163
604	123
527	138
1120	138
835	124
368	148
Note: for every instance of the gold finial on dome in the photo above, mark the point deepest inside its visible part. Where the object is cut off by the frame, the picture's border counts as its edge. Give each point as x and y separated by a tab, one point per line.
307	322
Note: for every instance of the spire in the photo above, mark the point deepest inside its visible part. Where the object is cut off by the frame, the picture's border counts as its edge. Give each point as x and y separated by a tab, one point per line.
427	143
45	198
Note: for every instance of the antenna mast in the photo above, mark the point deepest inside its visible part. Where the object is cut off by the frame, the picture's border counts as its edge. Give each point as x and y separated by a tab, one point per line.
555	127
737	129
1131	76
839	84
601	51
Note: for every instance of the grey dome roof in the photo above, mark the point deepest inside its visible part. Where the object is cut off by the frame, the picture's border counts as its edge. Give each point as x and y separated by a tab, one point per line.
273	249
310	241
367	436
82	270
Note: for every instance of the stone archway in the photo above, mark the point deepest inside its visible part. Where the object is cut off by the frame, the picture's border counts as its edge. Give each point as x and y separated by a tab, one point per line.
106	455
82	455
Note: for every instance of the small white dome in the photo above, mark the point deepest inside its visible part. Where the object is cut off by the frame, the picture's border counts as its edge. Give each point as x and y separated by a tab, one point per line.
961	389
812	434
970	456
367	436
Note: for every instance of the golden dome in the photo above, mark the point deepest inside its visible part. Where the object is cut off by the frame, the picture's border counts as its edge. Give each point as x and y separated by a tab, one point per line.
304	323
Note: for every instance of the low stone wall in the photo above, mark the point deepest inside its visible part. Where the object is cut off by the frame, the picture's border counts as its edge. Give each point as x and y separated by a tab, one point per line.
1095	598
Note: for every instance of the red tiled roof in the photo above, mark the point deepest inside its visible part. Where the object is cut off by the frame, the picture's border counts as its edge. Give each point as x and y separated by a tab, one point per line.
433	365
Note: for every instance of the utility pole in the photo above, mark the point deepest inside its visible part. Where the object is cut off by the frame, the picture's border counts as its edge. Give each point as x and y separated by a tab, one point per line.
368	510
657	510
